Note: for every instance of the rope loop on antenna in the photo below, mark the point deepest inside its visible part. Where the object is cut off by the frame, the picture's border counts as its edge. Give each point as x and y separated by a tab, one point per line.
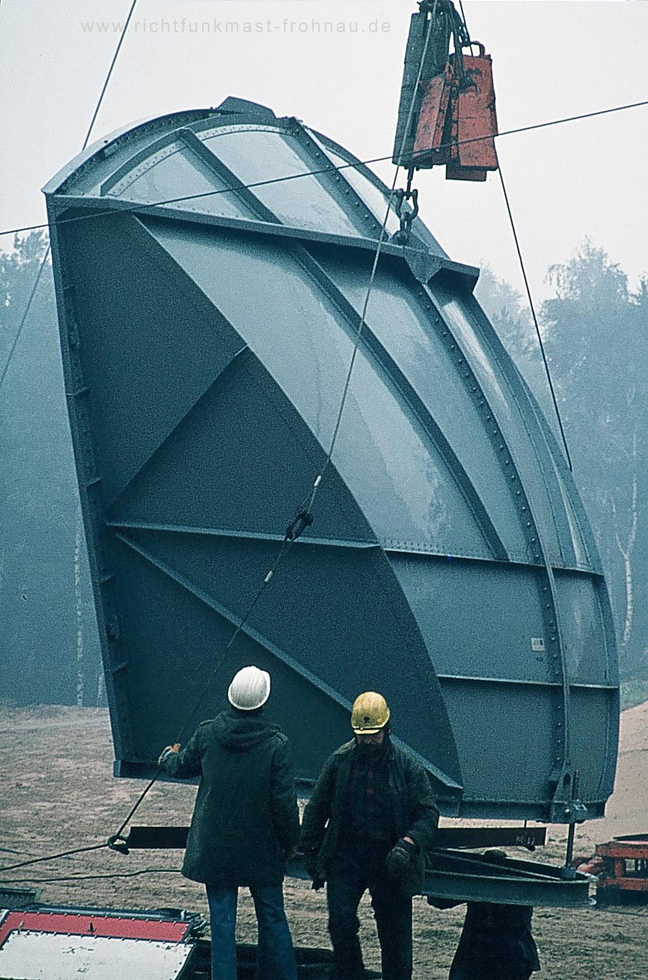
298	525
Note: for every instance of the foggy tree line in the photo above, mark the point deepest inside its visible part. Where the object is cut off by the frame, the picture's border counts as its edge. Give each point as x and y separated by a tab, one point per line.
49	649
595	333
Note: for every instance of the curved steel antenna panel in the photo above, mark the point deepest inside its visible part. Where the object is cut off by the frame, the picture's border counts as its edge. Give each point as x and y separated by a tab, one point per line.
211	268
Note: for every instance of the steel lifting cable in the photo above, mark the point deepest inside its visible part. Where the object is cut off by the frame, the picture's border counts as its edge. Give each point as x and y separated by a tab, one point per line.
140	208
49	247
528	290
89	877
116	841
304	517
92	847
50	857
374	267
535	318
465	22
302	520
19	331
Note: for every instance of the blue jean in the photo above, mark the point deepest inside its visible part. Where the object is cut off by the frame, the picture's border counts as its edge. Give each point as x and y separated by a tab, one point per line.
275	954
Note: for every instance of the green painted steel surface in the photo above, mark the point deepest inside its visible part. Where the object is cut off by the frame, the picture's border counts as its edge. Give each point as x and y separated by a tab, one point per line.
206	330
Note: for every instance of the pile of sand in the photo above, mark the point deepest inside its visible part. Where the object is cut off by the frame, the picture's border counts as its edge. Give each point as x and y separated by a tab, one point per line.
627	811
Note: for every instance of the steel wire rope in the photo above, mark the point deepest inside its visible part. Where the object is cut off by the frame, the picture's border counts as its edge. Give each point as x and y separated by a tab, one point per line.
49	247
287	541
114	839
330	168
88	877
285	544
51	857
599	907
304	511
535	318
374	267
465	22
527	287
23	319
92	847
604	908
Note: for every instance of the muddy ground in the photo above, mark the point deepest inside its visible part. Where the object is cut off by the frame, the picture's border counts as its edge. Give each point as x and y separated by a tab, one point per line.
58	793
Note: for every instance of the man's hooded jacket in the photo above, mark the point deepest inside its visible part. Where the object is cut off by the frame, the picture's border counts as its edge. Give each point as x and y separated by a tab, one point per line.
245	821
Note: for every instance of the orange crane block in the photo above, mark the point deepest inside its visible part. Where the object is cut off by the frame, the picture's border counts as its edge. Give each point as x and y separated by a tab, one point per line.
474	122
457	123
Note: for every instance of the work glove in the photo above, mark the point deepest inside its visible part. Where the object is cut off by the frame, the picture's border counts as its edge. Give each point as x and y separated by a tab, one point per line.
169	750
400	857
310	863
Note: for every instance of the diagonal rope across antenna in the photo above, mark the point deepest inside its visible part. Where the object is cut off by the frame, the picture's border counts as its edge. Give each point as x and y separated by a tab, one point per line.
139	208
49	247
304	516
302	520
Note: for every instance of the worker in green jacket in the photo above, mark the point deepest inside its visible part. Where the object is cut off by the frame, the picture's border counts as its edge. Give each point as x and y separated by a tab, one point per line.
245	823
369	821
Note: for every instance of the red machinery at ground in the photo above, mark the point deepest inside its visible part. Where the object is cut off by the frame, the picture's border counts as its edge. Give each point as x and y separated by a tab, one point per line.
624	877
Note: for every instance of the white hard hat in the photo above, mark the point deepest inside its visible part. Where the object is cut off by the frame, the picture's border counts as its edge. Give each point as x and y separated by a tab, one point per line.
250	689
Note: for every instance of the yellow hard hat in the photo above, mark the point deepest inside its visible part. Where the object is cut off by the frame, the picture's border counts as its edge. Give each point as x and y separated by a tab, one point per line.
369	713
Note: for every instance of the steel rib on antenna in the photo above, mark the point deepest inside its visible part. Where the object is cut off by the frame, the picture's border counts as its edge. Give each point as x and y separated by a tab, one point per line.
117	841
303	517
49	247
140	208
30	300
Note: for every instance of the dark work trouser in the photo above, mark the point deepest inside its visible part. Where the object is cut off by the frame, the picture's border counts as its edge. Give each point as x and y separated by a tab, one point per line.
476	973
352	872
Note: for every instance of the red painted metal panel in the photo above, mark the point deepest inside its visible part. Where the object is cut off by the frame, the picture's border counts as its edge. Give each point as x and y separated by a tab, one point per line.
456	125
474	122
476	116
95	925
456	172
624	849
432	120
625	884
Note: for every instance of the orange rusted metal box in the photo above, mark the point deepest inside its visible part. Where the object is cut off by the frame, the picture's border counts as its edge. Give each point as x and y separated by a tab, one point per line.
474	123
625	874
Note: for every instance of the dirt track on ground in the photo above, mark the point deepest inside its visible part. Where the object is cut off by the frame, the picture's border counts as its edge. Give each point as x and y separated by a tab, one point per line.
58	793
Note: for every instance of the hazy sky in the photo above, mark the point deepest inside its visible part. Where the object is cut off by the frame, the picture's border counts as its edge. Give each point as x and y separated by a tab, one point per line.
551	59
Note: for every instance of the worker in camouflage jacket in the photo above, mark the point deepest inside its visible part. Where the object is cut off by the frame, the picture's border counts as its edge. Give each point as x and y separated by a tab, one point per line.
369	821
245	823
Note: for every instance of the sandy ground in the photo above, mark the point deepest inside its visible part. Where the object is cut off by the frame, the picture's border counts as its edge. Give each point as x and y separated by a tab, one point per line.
58	793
